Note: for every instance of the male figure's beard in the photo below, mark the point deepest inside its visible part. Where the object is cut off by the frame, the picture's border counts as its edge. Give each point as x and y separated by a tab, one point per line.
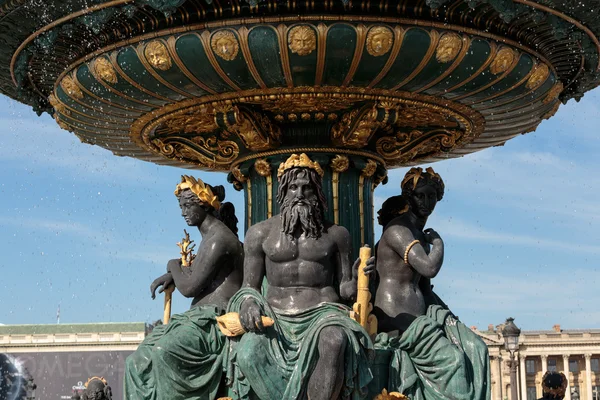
303	214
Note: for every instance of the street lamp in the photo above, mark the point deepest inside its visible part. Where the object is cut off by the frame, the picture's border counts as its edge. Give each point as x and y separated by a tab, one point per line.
511	333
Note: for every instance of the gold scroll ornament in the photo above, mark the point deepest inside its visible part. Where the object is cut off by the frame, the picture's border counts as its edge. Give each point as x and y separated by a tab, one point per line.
361	310
187	256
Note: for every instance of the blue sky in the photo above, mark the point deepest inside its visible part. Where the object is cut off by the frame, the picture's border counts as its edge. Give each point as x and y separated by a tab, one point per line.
88	230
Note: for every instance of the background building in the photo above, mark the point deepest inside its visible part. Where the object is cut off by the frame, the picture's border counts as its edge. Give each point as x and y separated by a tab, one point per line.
574	352
60	358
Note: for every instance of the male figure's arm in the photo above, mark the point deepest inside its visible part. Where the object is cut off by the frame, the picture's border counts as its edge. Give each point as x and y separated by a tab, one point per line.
427	265
254	272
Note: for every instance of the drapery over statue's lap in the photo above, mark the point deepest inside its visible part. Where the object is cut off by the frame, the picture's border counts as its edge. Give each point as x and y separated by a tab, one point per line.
275	365
178	361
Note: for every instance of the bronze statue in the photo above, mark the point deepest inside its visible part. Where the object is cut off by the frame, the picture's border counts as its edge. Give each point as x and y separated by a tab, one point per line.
434	355
314	350
182	359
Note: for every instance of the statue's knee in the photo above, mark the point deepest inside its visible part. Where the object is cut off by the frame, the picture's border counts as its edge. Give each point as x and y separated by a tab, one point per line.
248	353
332	338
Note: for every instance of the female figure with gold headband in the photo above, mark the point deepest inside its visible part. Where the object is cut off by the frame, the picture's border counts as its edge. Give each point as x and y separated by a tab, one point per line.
432	355
183	359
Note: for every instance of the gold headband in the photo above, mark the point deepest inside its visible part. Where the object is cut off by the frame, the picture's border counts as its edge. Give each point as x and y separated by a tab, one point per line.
415	173
200	189
299	161
96	378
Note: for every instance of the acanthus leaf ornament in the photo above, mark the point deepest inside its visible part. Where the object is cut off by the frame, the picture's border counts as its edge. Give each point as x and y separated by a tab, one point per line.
356	127
224	44
302	40
256	130
104	70
379	40
448	47
404	147
157	55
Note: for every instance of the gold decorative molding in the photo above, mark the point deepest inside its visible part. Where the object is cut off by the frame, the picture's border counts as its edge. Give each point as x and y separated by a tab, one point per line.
225	44
356	127
338	165
413	116
302	40
249	203
255	130
157	55
503	60
71	88
198	122
263	168
554	92
448	47
57	105
379	41
104	69
404	147
238	175
369	170
539	76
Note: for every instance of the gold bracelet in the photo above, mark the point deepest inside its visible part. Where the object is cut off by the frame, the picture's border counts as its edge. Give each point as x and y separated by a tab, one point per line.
408	249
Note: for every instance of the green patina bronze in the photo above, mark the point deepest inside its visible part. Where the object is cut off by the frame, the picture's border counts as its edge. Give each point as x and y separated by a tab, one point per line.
181	360
275	365
438	357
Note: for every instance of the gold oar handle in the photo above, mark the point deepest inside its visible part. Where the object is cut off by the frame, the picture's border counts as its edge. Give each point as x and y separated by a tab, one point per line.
168	297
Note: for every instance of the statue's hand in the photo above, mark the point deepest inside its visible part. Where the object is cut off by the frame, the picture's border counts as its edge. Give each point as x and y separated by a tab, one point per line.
369	268
164	281
250	316
431	235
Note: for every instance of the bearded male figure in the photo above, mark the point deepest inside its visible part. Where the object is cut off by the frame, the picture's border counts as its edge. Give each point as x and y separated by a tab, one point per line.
182	360
314	350
435	356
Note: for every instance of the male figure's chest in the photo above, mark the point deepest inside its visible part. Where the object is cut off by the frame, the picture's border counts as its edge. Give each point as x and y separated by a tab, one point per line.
280	248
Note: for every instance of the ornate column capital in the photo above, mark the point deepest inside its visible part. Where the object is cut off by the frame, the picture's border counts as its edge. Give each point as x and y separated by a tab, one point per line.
588	356
544	356
566	356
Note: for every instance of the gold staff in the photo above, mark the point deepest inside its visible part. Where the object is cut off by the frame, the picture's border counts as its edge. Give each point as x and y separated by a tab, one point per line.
187	256
361	310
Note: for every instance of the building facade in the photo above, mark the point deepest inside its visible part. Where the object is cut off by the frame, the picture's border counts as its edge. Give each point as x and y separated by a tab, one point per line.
60	358
574	352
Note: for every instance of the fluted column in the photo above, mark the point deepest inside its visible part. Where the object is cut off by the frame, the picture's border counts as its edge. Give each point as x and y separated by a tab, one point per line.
566	368
588	376
523	377
497	366
544	363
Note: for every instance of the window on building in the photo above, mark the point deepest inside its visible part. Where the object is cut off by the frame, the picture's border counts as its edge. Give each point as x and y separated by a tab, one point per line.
552	364
573	366
595	364
530	366
531	393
